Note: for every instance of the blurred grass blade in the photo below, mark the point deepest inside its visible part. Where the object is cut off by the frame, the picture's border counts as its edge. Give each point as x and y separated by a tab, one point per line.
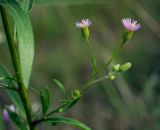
60	85
69	121
45	100
24	37
14	96
149	88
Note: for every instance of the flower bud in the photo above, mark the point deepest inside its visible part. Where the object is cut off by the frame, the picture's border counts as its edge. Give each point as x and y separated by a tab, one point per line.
85	32
60	110
76	94
111	77
125	67
116	67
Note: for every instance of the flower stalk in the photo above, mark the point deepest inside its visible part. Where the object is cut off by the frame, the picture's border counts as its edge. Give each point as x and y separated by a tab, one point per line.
84	25
130	27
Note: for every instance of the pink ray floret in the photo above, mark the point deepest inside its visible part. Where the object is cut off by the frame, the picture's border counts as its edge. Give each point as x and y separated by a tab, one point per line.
130	25
83	23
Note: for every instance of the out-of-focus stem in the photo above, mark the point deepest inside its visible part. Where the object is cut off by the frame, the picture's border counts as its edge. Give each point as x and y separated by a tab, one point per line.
92	56
115	54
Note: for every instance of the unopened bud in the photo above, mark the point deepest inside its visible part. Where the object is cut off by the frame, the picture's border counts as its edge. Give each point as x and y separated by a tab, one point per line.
76	94
111	77
116	67
60	110
125	66
85	32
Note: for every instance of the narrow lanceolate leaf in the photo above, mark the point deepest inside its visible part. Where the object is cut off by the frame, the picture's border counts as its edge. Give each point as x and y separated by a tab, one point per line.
14	96
69	121
27	5
44	100
60	85
24	37
18	120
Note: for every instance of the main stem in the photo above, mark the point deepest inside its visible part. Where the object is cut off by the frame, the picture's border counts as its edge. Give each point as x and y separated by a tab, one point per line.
16	63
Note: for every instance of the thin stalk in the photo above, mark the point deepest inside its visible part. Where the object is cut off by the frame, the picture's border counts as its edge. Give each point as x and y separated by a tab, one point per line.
92	56
16	63
114	55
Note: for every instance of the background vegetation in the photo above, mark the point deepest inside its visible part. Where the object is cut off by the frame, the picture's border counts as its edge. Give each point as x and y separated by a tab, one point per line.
130	102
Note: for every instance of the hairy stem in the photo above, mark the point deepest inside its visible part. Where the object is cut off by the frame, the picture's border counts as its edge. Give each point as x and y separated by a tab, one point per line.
16	63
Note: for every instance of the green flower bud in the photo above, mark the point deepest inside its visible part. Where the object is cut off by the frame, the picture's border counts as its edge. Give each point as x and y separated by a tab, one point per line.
116	67
60	110
85	32
76	94
125	66
111	77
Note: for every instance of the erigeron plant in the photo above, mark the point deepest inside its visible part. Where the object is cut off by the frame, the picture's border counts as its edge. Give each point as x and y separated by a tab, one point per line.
21	49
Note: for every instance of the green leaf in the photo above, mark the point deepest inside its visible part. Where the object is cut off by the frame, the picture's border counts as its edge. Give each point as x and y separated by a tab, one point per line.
69	2
60	85
70	104
69	121
66	106
45	100
24	37
14	96
27	5
18	120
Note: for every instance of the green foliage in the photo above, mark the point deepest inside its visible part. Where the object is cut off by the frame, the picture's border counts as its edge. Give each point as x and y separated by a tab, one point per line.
60	85
18	120
14	96
57	120
68	104
24	37
45	100
121	100
27	5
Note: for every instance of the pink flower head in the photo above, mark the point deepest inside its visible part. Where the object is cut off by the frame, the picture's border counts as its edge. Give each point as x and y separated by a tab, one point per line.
84	23
130	25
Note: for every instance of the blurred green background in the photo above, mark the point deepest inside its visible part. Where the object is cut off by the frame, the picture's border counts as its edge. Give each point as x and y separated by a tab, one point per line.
131	101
